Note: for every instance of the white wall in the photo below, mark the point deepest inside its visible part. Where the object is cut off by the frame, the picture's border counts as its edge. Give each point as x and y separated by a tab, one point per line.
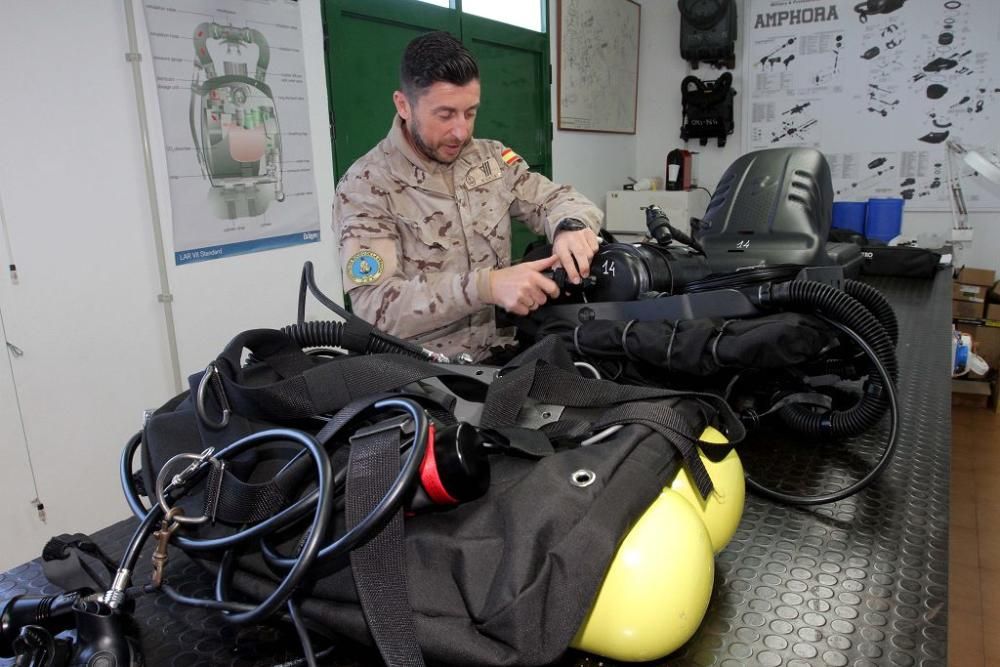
85	311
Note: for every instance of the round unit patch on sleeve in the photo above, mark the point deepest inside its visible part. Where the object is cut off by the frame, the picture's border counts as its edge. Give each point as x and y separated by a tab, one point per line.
365	267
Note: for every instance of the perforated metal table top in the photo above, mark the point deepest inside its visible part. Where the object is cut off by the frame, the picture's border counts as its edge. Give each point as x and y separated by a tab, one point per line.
862	582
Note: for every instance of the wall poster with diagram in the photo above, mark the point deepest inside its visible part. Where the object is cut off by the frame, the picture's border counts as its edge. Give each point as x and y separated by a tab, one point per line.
878	87
230	77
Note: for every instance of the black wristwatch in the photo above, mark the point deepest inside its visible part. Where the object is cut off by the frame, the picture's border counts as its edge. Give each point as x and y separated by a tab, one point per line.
569	225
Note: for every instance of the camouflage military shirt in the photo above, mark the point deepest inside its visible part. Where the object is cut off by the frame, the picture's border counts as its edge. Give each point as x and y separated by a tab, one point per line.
419	238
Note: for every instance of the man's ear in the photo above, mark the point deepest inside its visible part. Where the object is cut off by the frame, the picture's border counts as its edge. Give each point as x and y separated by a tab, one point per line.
403	107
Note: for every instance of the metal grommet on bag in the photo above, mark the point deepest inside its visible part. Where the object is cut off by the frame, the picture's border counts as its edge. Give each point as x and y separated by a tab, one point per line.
583	478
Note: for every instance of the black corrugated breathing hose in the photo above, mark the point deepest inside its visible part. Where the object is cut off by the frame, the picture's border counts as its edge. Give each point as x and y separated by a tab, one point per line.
330	333
813	297
877	304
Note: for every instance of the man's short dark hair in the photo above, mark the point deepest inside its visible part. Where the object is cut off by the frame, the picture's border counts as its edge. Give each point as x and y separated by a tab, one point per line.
433	57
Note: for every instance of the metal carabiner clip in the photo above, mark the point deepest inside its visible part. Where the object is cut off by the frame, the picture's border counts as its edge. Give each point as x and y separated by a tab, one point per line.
212	373
178	480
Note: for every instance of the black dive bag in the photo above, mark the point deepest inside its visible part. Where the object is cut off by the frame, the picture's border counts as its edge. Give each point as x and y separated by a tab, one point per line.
503	579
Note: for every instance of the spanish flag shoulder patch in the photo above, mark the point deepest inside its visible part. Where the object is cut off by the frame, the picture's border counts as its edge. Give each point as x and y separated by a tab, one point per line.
509	156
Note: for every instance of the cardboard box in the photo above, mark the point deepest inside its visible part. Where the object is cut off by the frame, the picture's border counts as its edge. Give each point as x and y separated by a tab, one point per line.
993	311
964	292
966	310
985	341
975	393
984	277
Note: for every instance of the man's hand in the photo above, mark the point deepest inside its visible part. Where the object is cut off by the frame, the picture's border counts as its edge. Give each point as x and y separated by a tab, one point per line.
575	249
522	288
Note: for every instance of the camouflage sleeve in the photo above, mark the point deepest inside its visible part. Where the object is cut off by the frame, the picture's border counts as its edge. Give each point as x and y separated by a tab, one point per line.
540	203
381	292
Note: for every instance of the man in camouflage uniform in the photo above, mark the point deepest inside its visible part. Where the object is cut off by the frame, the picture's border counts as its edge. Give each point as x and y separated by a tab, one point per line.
424	217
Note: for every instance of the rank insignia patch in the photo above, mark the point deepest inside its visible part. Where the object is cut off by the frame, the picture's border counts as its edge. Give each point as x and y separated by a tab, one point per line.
364	267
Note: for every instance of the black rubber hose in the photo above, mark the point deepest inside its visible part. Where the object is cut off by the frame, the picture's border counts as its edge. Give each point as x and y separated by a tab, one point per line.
328	333
355	329
887	453
139	537
814	297
315	333
879	306
125	475
320	502
314	540
299	566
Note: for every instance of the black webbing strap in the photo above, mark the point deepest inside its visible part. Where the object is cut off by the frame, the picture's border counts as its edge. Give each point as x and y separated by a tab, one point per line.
229	499
672	426
520	441
330	386
270	346
379	565
567	429
549	384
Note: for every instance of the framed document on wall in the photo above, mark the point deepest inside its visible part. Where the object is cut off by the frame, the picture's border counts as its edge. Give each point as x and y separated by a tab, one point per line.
598	74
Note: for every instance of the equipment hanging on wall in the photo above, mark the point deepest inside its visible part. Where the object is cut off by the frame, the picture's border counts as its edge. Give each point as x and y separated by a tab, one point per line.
707	108
708	32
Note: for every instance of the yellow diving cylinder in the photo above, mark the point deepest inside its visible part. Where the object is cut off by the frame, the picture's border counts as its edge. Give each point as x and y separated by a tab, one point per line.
723	508
659	584
657	588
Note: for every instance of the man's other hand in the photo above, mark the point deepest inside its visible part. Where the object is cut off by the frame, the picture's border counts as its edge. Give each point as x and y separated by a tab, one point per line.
575	249
522	288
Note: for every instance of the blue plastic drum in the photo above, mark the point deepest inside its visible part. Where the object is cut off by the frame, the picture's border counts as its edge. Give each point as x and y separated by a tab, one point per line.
884	219
850	215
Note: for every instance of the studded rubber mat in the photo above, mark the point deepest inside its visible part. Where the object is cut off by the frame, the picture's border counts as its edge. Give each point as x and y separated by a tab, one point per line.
862	582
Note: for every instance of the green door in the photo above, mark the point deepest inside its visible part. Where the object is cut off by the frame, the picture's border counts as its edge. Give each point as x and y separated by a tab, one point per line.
365	40
514	69
515	107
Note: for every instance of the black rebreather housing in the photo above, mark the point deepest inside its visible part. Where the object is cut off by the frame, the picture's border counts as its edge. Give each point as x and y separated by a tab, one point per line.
770	207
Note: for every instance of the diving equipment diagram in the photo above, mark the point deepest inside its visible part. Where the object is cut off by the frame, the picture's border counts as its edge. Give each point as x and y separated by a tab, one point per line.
230	78
879	86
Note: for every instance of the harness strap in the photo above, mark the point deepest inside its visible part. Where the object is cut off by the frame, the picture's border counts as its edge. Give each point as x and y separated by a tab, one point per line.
232	500
671	426
379	565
